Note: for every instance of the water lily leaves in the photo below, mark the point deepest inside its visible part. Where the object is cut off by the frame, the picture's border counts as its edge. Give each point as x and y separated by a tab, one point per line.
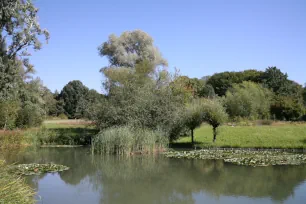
32	169
243	157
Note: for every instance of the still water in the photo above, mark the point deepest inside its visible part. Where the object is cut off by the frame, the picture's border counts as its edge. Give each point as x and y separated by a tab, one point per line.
158	180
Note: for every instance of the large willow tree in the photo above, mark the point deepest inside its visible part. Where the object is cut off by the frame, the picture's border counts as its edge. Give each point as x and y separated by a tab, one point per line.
19	32
138	87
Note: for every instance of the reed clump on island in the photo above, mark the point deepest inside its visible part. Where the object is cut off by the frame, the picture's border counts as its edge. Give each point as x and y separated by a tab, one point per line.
128	140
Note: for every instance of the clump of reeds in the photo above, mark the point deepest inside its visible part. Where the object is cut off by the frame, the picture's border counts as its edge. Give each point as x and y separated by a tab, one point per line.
11	139
128	140
13	188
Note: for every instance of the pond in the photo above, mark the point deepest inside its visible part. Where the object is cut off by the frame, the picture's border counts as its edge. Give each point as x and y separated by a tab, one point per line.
156	179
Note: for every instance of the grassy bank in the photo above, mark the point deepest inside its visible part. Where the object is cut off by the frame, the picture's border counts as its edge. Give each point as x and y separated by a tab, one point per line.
13	188
63	133
56	132
274	136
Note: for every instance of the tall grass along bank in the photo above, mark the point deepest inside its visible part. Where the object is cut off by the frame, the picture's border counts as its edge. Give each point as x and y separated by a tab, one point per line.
13	189
127	140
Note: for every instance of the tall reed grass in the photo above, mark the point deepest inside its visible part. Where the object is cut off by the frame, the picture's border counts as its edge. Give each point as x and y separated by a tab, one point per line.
11	139
13	188
127	140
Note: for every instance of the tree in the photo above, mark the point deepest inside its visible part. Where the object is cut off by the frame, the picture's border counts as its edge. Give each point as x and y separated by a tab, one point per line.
191	88
274	79
130	48
19	28
214	114
304	95
287	108
248	100
221	82
139	97
20	95
50	102
194	116
72	94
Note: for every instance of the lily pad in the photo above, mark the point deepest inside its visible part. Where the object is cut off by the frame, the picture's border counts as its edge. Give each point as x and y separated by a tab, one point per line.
243	157
35	169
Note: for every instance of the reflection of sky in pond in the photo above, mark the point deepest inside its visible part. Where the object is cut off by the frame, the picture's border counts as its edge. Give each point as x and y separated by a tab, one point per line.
159	180
52	188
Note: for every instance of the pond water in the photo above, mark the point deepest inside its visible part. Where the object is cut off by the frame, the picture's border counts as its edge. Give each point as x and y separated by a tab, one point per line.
158	180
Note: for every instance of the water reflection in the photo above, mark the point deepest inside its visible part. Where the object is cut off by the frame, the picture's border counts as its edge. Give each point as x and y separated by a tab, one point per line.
155	179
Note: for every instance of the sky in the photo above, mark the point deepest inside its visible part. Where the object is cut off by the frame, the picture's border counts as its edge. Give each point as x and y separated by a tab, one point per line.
199	37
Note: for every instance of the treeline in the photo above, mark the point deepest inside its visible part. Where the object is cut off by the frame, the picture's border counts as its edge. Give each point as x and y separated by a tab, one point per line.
251	94
140	92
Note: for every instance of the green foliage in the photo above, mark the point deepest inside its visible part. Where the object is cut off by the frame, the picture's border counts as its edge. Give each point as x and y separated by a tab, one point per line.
73	94
248	100
287	108
14	189
30	115
11	139
75	135
214	114
127	140
140	97
62	116
130	48
49	102
192	88
274	79
20	94
8	112
221	82
194	116
304	95
19	28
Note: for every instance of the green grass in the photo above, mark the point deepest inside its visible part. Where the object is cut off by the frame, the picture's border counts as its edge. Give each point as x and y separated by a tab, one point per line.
285	136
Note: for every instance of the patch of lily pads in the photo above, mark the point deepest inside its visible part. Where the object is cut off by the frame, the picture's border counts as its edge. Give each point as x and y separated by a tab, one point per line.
35	169
243	157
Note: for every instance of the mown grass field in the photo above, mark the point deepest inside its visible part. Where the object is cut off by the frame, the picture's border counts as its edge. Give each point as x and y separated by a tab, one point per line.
275	136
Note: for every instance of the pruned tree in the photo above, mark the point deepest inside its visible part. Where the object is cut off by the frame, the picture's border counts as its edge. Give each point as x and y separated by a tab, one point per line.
214	114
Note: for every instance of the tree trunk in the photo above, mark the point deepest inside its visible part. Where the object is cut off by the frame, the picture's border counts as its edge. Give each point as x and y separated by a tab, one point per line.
215	133
192	139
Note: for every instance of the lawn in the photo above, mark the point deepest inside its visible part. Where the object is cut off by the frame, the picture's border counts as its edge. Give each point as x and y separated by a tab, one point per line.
284	136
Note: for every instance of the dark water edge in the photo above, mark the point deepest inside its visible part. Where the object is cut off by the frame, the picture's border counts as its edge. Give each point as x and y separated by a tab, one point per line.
156	179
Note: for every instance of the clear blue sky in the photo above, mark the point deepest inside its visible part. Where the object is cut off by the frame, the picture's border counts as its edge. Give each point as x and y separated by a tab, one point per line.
198	37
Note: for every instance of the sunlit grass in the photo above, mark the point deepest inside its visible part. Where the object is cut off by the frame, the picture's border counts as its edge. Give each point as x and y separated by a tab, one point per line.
285	136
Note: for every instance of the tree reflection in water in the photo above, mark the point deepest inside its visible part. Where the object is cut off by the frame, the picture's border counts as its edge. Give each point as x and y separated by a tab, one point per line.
155	179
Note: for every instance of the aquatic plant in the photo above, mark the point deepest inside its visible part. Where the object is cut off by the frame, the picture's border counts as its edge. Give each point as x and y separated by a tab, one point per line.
243	157
126	140
31	169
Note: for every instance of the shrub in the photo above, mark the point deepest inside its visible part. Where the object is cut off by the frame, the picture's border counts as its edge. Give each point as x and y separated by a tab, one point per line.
126	140
62	116
31	115
248	100
265	122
